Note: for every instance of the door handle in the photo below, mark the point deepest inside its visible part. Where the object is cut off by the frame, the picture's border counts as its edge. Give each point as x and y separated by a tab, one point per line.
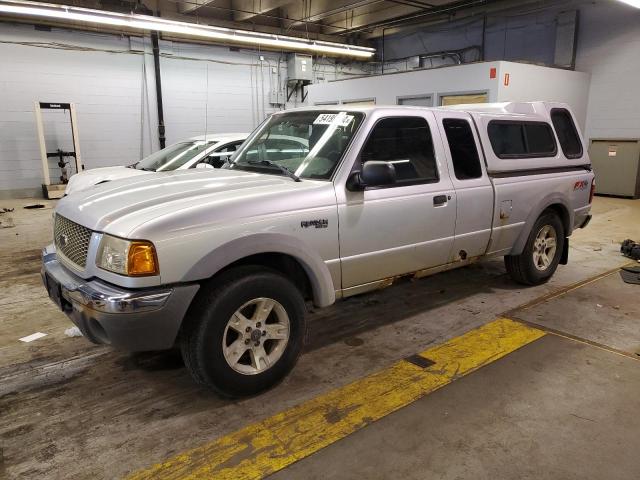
439	200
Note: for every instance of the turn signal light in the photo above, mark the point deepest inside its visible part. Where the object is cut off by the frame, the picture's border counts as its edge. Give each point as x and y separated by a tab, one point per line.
142	259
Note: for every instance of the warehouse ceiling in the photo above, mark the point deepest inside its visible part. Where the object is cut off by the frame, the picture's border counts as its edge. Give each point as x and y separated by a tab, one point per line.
330	17
337	20
344	21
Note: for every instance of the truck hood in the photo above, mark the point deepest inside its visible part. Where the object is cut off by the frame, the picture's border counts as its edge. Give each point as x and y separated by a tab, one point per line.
184	199
89	178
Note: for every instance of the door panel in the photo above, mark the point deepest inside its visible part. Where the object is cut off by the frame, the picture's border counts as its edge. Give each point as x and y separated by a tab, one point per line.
397	229
474	192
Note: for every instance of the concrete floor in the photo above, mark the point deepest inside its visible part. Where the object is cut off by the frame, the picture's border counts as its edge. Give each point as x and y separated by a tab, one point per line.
563	407
555	409
69	409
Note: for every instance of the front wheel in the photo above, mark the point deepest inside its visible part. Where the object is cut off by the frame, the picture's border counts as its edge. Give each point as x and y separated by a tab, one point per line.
541	254
244	332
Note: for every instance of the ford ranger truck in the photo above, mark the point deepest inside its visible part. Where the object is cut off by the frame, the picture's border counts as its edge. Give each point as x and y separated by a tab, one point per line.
222	262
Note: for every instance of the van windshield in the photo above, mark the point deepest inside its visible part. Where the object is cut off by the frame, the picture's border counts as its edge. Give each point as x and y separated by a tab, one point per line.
309	144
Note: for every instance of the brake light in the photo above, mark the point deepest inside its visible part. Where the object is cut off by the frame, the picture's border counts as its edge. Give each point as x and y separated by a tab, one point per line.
593	189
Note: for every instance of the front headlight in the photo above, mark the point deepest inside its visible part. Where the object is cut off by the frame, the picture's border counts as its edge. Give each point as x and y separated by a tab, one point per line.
133	258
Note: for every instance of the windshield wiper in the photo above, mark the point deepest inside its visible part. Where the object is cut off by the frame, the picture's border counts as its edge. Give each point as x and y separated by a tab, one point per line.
269	163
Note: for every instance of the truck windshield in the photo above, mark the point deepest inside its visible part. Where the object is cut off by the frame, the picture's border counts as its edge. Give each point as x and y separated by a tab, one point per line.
172	157
309	144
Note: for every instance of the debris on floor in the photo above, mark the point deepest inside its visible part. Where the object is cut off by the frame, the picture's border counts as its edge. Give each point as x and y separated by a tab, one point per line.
35	205
630	249
631	275
73	332
6	221
32	337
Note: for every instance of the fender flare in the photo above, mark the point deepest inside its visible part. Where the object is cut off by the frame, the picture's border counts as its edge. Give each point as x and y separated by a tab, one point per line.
543	204
230	252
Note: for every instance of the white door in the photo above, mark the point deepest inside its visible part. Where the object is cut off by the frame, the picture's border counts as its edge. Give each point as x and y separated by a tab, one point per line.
406	226
474	192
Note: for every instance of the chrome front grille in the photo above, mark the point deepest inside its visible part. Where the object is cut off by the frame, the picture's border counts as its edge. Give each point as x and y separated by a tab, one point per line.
72	240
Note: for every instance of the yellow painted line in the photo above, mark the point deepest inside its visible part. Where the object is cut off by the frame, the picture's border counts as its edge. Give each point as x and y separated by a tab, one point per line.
271	445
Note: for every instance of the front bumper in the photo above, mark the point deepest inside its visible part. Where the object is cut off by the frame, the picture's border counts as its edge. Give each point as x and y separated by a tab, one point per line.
133	320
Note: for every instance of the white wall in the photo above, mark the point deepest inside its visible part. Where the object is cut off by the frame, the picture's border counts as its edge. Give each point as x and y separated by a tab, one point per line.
526	83
204	88
106	88
609	49
387	88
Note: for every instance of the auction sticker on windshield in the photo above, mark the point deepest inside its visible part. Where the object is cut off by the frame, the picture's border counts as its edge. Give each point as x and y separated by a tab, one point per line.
328	119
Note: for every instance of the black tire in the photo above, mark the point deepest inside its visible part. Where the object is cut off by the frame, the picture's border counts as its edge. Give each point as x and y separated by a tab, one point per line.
522	267
204	329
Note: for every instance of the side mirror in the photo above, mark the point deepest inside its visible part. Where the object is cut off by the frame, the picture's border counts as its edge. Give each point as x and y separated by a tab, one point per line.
204	165
374	174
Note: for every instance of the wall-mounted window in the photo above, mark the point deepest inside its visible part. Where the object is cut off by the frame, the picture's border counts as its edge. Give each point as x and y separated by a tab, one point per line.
463	98
567	133
363	102
406	143
416	100
462	145
515	139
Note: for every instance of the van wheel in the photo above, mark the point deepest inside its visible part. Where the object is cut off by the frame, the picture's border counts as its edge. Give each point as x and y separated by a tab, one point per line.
244	332
541	254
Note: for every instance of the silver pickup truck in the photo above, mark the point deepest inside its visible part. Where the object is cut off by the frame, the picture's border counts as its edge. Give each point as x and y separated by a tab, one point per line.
221	262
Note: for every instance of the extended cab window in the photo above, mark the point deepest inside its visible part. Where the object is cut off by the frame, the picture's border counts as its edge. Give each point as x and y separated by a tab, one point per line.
515	139
567	133
406	143
462	145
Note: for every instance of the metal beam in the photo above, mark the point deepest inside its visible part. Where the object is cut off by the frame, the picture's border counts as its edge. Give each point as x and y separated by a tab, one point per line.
156	64
421	20
358	20
193	5
414	17
213	7
247	9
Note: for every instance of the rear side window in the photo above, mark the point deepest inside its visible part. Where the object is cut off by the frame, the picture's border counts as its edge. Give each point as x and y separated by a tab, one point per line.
406	143
514	139
540	139
462	145
567	133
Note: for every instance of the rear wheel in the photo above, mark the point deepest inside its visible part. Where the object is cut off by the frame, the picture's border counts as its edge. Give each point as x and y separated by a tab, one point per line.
541	254
244	332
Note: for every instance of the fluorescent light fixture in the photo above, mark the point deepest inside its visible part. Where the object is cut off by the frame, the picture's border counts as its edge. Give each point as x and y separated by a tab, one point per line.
146	22
633	3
